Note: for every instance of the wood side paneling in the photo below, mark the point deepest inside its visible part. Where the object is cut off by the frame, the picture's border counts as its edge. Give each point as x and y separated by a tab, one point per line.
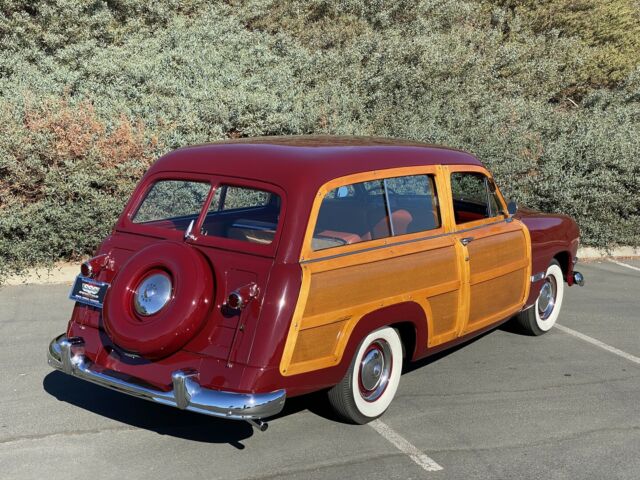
360	284
318	342
499	266
489	252
495	295
459	288
444	310
337	298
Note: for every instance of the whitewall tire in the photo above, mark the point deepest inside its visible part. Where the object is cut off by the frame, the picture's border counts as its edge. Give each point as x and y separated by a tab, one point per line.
371	382
542	316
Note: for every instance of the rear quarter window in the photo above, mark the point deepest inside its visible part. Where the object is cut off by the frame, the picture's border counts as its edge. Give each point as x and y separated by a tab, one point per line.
243	213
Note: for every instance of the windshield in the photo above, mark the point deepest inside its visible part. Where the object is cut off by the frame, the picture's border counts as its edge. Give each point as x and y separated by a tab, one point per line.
240	213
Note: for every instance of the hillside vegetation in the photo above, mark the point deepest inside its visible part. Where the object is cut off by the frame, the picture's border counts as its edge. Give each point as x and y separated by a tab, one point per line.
547	93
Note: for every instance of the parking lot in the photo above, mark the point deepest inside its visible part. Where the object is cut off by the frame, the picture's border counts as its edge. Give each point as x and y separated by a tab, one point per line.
562	406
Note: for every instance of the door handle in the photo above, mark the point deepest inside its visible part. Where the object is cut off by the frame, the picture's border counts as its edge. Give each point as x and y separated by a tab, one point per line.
466	241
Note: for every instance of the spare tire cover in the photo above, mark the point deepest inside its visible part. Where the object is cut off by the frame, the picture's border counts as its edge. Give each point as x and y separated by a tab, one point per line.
172	326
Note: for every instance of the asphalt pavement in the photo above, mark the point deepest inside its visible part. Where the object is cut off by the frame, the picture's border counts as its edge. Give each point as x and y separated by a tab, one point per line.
507	406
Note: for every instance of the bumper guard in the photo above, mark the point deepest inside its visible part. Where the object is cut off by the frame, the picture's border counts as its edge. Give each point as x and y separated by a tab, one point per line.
67	355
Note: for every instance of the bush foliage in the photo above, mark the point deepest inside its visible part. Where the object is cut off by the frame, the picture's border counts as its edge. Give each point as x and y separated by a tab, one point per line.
92	92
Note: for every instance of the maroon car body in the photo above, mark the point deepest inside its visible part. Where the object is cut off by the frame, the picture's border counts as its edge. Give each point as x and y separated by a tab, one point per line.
240	351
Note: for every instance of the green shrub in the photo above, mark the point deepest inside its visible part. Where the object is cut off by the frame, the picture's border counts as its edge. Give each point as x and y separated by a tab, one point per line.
610	30
64	179
92	92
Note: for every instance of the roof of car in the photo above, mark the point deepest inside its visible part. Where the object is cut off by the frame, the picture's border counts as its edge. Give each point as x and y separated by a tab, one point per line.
309	160
324	141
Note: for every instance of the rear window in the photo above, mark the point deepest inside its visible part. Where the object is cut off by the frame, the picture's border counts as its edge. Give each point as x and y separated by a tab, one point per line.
229	197
236	212
172	203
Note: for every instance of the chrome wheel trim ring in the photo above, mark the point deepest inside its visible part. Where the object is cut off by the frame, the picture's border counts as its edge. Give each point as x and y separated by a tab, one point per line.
375	370
153	294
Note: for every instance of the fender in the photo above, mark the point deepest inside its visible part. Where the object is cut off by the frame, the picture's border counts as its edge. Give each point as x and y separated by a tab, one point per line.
552	236
400	314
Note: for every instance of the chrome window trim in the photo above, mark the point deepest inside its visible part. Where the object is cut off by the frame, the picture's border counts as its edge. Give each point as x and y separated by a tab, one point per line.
260	228
388	204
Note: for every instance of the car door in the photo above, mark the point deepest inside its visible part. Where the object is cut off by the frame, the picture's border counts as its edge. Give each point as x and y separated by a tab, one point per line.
495	249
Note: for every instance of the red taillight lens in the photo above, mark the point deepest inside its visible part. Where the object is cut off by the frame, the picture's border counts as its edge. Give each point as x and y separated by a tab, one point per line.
92	267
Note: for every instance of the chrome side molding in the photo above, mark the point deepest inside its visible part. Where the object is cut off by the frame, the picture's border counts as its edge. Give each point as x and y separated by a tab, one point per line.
577	277
537	277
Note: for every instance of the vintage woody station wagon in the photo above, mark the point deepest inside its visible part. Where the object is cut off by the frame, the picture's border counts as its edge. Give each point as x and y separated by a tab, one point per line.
244	272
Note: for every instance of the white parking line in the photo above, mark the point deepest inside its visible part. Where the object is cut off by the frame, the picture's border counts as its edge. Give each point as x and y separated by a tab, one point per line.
405	447
624	264
598	343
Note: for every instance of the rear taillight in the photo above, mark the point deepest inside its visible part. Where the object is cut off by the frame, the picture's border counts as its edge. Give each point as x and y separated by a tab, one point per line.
92	267
238	299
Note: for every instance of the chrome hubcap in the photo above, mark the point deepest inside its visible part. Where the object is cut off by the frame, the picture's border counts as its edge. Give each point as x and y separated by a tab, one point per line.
375	369
152	294
547	298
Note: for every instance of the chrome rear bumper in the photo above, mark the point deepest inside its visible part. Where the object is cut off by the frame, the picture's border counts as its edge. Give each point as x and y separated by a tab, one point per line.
67	355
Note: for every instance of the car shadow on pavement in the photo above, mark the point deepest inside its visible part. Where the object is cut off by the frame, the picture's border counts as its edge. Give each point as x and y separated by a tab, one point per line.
143	414
409	367
318	404
192	426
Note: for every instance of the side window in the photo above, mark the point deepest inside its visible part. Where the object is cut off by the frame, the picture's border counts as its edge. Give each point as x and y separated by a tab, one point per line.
351	214
376	209
228	197
242	213
413	204
377	218
474	197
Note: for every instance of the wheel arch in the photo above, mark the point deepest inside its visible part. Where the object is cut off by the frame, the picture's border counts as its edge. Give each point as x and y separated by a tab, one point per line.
565	259
408	318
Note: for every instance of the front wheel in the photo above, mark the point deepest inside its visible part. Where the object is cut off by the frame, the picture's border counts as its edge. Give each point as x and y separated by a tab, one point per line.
543	315
372	380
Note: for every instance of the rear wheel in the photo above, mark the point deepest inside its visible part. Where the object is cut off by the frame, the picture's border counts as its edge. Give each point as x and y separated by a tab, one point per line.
372	380
542	316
